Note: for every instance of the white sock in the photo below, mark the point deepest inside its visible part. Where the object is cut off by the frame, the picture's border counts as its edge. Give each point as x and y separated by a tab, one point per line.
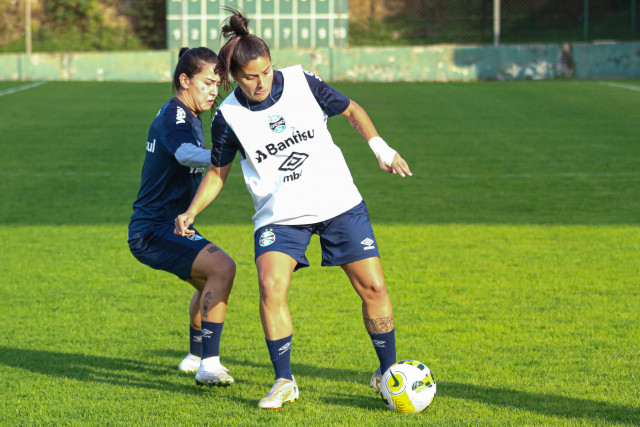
211	363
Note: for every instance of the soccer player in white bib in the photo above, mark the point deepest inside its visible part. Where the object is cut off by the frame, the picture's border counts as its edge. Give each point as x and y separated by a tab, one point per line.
300	185
175	160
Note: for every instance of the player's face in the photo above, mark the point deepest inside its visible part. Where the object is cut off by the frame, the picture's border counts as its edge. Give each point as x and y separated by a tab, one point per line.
255	79
202	90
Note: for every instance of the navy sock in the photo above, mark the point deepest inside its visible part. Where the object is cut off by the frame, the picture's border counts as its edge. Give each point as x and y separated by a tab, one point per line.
385	346
211	332
195	341
280	354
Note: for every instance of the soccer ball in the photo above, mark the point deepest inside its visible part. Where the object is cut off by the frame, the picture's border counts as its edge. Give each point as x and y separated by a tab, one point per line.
408	386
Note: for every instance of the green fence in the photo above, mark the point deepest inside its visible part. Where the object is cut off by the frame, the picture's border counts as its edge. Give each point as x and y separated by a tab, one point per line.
281	23
428	22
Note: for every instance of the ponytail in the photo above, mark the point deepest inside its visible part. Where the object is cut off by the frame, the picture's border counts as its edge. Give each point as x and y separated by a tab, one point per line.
240	48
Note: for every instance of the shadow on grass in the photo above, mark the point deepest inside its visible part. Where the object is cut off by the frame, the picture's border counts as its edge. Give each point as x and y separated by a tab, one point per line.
544	404
99	369
146	375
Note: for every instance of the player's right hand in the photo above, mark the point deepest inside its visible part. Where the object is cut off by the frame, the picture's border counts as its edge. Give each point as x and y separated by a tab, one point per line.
182	224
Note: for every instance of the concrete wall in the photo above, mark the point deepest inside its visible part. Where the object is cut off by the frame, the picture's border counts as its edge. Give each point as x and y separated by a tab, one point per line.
418	63
607	60
126	66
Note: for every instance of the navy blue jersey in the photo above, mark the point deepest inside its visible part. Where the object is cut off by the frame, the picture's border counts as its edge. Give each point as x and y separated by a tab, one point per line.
225	143
167	187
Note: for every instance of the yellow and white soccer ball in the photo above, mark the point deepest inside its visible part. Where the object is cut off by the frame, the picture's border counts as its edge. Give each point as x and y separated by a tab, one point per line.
408	386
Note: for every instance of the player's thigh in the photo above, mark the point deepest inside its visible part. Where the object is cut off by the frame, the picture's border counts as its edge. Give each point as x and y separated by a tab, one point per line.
366	276
274	273
212	262
162	250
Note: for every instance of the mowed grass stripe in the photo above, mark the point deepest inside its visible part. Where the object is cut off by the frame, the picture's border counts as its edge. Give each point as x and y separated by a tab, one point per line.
577	144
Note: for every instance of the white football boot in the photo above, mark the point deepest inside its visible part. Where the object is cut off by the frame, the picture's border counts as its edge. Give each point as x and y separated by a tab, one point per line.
190	363
213	377
282	391
376	379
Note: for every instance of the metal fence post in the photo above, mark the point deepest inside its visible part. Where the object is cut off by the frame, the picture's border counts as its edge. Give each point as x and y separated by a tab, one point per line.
27	26
586	20
496	22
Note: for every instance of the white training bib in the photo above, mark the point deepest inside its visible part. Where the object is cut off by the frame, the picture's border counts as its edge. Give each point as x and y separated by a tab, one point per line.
293	170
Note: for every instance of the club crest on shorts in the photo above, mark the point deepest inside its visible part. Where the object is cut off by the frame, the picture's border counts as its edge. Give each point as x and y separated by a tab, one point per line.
267	238
277	123
195	237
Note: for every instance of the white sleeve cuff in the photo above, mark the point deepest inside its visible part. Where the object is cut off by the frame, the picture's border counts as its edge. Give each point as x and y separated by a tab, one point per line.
194	157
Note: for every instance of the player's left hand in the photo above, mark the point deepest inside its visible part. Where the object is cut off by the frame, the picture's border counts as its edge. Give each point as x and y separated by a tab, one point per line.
398	166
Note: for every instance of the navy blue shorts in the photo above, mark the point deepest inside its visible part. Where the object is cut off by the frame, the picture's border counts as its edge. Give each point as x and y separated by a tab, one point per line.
161	249
345	238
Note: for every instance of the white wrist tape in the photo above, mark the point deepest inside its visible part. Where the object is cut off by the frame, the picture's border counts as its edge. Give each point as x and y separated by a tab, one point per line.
382	150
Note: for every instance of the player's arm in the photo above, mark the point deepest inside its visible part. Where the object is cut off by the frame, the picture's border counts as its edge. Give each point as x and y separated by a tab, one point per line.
208	190
181	142
193	156
388	158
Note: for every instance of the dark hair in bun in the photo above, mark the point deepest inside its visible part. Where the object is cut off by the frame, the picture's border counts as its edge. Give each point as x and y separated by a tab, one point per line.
240	48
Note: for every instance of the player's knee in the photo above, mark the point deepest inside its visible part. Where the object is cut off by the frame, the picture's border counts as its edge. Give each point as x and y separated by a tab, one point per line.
223	270
374	290
227	270
273	289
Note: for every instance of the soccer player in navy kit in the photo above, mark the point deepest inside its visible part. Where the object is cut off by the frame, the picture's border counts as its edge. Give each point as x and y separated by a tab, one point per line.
300	185
174	163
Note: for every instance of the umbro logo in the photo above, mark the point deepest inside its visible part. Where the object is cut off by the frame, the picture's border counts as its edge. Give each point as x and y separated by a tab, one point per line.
294	161
282	350
206	333
368	244
379	344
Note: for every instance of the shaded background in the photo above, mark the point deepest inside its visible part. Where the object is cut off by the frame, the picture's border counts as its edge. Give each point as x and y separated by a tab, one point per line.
117	25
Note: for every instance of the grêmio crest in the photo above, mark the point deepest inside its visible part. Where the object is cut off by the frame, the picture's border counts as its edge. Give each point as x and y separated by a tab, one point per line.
277	123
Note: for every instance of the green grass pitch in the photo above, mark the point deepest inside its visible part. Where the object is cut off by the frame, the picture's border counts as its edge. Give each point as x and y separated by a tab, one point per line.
512	257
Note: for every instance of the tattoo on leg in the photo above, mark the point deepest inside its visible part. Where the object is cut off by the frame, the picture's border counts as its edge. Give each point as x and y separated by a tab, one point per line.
379	326
207	300
212	249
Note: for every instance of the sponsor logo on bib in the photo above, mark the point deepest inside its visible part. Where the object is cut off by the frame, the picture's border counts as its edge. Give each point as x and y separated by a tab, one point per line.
296	137
293	162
